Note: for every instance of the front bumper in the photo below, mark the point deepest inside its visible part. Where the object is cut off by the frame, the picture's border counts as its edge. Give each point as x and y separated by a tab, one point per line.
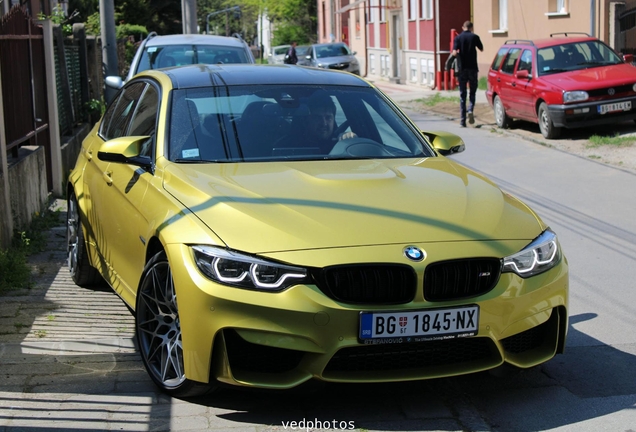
568	117
280	340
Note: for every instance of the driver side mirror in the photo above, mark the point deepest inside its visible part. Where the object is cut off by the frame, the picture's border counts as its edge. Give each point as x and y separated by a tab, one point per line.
445	143
523	74
114	82
125	150
628	58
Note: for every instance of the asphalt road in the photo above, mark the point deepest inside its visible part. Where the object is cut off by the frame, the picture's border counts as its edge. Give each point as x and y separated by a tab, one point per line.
68	360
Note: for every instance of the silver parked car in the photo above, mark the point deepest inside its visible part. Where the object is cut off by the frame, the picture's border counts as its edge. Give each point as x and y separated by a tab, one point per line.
156	52
331	56
277	55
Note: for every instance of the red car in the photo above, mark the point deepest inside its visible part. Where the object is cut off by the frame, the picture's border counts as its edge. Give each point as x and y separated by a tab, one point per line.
570	81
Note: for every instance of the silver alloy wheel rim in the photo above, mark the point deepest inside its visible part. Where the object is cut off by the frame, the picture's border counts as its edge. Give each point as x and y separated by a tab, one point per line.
544	121
499	112
159	328
72	227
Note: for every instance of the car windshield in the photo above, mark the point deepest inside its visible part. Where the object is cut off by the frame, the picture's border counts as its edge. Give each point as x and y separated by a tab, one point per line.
156	57
281	50
302	50
285	122
334	50
575	56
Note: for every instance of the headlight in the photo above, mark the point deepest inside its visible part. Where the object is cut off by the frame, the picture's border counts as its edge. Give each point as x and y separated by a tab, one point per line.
539	256
235	269
575	96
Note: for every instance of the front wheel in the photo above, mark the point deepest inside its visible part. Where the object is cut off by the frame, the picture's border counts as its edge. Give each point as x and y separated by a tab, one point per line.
501	118
548	130
159	331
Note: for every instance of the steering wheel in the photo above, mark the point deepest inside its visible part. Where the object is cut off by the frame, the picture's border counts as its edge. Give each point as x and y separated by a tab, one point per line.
359	147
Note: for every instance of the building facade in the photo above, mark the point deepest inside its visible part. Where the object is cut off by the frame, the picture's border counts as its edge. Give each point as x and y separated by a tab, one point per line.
402	41
408	41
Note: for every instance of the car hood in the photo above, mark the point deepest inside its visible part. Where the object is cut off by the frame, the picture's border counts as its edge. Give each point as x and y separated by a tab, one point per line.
282	206
337	59
593	78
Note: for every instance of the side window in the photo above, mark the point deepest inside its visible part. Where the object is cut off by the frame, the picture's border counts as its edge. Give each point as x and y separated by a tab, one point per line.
144	120
496	64
510	61
525	62
122	111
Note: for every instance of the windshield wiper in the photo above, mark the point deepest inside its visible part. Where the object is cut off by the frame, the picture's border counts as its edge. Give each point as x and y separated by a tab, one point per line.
555	70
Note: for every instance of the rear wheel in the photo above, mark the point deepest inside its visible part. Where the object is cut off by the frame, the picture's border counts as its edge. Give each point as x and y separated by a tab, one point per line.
159	331
82	272
501	118
548	130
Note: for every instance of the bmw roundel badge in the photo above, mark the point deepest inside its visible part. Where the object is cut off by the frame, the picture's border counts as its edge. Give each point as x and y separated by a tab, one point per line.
414	253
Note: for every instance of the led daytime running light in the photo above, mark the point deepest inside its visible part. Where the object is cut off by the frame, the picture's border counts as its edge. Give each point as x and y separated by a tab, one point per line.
536	262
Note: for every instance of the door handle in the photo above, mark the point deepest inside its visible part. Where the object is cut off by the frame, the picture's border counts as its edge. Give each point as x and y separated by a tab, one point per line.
514	84
498	79
108	177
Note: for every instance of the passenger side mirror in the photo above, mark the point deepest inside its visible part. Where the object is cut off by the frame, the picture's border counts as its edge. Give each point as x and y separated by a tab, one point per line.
523	74
445	143
628	58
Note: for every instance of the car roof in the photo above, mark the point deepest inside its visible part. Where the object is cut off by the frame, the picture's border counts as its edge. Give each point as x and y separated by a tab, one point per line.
548	42
329	43
194	39
193	76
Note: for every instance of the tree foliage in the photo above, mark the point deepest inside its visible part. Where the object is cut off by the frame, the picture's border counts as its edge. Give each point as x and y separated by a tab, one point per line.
292	19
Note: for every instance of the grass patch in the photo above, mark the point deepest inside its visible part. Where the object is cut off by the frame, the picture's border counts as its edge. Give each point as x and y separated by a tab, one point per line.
617	141
436	99
14	270
483	83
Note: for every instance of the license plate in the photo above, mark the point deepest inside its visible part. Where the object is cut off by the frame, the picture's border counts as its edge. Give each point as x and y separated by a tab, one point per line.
419	326
619	106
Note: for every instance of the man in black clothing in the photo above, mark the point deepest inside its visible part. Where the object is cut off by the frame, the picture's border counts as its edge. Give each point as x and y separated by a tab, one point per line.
465	48
291	57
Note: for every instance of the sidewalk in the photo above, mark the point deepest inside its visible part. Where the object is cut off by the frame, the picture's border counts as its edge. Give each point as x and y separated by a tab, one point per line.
408	92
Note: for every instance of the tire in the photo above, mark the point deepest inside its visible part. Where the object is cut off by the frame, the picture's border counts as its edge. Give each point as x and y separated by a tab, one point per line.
159	333
501	118
548	130
82	273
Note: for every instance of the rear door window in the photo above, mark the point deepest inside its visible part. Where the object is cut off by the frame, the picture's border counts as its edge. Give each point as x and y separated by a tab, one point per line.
510	61
496	64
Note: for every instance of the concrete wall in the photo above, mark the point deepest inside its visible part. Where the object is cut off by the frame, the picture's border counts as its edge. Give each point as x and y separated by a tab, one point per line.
28	189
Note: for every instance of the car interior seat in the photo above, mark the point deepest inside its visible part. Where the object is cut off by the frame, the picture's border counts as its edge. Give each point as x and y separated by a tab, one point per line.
229	57
167	61
258	128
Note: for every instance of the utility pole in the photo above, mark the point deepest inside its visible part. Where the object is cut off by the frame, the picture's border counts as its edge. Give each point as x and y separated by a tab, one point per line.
109	44
189	16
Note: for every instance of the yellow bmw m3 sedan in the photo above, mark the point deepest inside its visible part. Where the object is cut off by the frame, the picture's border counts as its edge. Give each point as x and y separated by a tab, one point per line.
274	224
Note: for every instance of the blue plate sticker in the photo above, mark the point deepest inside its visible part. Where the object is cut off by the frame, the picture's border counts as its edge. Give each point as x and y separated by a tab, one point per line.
366	326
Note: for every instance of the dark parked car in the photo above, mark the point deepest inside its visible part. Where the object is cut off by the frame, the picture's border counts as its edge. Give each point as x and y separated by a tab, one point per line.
566	81
330	56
